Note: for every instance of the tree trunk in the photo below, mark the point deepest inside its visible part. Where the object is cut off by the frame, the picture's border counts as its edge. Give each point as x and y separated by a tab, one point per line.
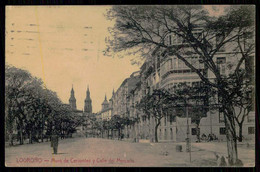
30	137
155	132
42	135
21	135
198	132
231	140
11	139
240	136
42	129
134	132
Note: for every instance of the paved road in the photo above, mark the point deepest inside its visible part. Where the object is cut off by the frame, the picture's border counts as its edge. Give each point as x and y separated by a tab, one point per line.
82	152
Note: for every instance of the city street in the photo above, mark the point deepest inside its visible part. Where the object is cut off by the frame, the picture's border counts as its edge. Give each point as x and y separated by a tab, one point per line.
103	152
181	75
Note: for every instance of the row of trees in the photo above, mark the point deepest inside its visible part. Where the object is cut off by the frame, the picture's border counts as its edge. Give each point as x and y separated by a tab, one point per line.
144	29
198	99
174	102
116	123
33	111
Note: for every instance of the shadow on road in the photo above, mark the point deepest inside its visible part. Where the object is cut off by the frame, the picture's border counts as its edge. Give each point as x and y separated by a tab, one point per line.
59	153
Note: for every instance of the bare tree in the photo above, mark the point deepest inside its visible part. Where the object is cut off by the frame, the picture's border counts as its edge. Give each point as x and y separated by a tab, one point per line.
243	99
145	28
156	105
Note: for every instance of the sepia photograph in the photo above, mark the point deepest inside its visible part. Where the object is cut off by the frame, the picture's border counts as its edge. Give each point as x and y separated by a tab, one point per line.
130	86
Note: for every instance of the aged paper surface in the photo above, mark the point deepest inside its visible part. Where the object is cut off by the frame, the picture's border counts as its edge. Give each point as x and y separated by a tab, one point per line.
135	86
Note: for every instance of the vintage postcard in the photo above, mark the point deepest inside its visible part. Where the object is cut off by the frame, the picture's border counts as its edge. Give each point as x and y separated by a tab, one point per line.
130	86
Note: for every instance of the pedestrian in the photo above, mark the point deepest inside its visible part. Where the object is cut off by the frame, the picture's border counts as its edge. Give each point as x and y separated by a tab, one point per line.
210	138
204	137
214	136
122	136
54	142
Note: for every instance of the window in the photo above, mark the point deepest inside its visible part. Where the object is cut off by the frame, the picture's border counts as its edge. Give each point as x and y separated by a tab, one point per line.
221	60
222	130
251	130
249	66
219	40
158	62
221	65
170	39
170	64
174	62
165	120
247	36
197	35
221	117
172	118
250	118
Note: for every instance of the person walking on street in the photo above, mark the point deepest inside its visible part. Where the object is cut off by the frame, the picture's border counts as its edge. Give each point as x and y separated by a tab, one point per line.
54	142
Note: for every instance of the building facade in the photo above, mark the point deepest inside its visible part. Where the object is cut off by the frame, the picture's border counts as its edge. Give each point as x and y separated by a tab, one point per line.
165	72
106	110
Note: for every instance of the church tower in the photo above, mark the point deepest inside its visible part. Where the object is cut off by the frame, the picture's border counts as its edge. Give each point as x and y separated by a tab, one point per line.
88	103
105	103
72	99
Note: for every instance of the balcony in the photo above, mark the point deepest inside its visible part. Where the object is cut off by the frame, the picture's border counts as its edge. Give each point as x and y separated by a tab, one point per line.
178	75
175	65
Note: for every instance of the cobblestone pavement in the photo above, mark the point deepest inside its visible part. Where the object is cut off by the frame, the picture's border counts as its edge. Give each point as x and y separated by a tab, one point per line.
89	152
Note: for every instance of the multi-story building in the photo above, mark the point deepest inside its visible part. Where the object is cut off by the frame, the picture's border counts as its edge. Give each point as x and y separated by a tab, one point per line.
119	101
165	72
105	115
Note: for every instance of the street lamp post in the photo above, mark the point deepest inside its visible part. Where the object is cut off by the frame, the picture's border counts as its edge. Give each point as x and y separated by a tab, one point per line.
188	143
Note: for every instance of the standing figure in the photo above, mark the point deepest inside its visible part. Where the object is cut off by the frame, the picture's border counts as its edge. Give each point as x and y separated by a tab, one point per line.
54	142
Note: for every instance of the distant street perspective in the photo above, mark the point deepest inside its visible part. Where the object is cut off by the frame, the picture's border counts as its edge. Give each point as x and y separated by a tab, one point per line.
138	86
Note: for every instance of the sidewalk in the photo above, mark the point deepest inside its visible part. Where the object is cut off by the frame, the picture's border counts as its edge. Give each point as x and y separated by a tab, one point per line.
203	152
246	154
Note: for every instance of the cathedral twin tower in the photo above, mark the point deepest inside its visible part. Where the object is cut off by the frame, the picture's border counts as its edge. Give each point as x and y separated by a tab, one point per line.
88	102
